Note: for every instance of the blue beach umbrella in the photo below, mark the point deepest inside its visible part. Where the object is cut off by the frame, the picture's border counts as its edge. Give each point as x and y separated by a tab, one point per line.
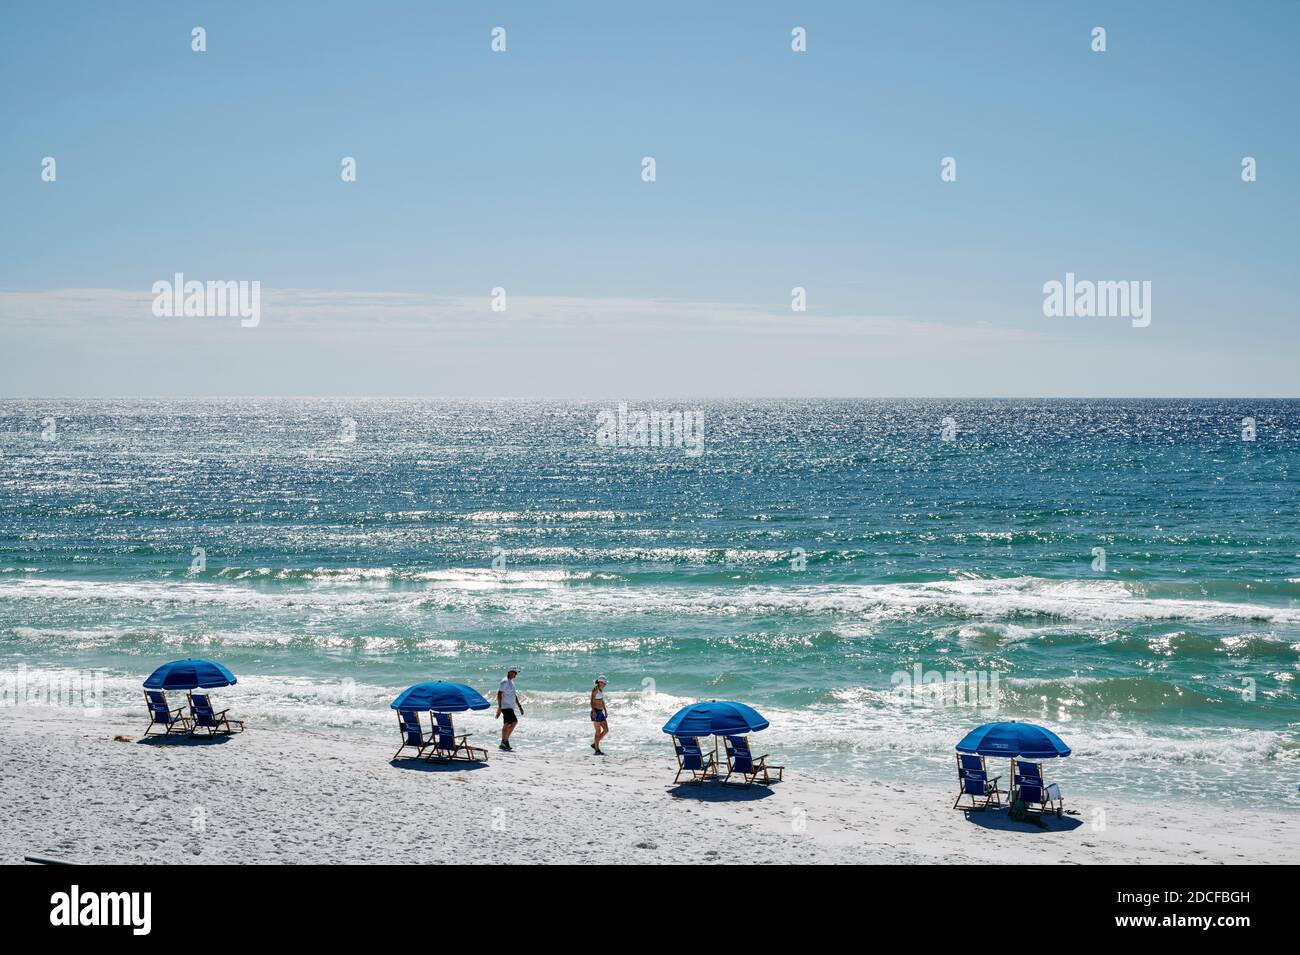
440	697
1013	741
715	718
189	675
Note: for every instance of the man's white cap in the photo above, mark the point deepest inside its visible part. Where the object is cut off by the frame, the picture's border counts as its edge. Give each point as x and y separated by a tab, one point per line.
513	670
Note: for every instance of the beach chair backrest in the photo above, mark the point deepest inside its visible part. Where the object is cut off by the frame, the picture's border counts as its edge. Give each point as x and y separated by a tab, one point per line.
446	731
158	707
1031	792
971	761
688	751
974	782
202	708
409	721
742	760
1029	771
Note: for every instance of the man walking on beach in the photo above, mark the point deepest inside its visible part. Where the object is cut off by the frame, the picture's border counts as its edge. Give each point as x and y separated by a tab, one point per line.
508	703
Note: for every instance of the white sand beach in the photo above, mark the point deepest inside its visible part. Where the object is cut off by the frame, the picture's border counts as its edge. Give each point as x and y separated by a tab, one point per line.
71	791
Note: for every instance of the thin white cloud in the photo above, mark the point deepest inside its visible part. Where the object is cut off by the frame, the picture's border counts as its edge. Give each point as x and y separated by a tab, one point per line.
383	314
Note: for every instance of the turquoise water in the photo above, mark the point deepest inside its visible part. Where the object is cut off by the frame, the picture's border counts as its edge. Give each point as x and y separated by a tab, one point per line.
339	571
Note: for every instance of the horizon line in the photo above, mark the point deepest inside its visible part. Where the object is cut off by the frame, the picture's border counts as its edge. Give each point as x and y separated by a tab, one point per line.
624	398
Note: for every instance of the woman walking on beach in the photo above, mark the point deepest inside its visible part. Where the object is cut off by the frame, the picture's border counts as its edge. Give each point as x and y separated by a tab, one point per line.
598	713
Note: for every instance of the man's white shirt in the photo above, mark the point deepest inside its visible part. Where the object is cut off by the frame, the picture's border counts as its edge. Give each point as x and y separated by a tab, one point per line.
508	700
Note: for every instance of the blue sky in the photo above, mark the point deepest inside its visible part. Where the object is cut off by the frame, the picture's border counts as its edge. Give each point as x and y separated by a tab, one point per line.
775	170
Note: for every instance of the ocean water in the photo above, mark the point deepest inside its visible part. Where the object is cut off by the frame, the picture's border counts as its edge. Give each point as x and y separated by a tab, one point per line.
812	561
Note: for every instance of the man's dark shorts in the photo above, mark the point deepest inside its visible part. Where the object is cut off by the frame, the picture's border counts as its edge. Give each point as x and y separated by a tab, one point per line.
508	716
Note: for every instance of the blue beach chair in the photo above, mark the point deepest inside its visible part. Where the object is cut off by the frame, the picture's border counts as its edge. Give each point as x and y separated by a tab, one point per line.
162	714
1031	789
448	746
741	761
692	759
411	727
203	717
974	784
